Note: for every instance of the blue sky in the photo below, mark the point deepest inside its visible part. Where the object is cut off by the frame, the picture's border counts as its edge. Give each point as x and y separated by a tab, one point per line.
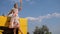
38	12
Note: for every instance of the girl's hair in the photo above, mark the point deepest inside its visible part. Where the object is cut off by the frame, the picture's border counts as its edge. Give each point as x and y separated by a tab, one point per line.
15	4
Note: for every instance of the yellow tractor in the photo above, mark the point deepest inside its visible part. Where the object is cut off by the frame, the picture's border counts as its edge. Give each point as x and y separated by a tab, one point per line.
4	22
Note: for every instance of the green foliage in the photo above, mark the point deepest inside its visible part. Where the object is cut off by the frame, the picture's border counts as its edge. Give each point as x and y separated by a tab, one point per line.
41	30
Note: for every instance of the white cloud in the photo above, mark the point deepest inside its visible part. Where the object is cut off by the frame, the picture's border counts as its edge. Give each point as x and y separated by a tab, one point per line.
40	18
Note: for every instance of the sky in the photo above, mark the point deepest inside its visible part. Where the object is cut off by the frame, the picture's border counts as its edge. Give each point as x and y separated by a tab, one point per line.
38	13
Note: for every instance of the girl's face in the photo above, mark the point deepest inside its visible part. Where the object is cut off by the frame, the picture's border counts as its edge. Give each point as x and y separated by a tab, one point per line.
16	5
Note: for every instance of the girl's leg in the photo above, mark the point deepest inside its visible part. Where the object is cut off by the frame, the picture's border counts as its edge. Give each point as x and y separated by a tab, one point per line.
19	29
17	26
11	23
14	30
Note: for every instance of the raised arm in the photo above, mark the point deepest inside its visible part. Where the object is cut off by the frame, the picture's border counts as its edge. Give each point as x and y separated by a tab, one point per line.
20	5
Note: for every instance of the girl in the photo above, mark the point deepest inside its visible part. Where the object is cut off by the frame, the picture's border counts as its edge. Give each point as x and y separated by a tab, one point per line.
14	22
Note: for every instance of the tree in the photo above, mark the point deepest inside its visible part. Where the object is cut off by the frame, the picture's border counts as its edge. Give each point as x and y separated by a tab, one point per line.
42	30
36	30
